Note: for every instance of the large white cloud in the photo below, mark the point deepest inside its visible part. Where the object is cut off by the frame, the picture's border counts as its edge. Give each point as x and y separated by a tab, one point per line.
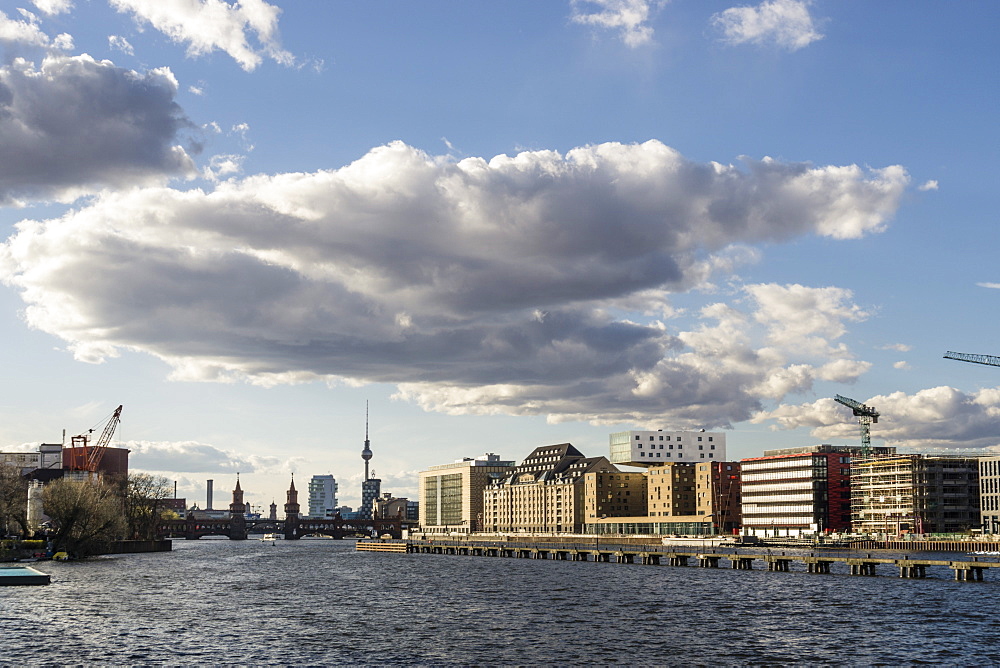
76	124
479	285
785	23
207	25
937	417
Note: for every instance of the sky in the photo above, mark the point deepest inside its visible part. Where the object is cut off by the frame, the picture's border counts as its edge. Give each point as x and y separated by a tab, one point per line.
491	226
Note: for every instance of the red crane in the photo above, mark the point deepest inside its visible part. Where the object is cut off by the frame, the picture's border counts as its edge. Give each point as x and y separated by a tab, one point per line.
91	455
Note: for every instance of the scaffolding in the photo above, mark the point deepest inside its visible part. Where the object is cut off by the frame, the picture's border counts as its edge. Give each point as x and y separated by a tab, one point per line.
914	493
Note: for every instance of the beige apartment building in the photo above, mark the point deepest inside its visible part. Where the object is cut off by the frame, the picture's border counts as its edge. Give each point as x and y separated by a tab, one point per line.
671	490
546	493
451	495
614	494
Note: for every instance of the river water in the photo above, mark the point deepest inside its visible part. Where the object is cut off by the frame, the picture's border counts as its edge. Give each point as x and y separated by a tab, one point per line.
318	602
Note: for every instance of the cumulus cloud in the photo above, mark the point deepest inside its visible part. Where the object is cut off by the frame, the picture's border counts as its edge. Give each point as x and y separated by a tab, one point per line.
53	7
209	25
478	285
991	286
938	417
194	457
785	23
27	32
119	43
629	17
928	185
78	124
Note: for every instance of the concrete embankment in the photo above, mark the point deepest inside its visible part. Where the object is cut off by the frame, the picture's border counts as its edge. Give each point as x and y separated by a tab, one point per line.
135	546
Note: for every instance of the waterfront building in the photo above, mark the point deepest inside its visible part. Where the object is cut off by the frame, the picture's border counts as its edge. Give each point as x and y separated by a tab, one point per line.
545	493
671	490
989	494
651	448
720	494
387	506
451	495
915	493
371	489
796	491
614	494
322	496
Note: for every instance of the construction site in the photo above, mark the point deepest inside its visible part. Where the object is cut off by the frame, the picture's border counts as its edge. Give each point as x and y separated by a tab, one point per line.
914	493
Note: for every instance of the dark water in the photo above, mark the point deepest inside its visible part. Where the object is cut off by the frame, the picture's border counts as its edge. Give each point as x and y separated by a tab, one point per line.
320	603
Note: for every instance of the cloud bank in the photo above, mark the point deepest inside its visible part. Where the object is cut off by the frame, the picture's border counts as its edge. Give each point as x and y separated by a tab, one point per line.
938	417
532	284
76	124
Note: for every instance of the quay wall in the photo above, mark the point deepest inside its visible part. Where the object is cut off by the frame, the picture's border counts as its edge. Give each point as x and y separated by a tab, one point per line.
135	546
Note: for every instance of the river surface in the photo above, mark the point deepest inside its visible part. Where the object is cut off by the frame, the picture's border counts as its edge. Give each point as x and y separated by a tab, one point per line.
318	602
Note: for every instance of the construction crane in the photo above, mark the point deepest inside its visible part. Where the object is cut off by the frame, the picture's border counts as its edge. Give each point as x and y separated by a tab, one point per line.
989	360
91	455
867	416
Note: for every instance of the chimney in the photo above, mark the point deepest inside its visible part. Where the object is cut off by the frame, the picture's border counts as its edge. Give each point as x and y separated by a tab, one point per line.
209	505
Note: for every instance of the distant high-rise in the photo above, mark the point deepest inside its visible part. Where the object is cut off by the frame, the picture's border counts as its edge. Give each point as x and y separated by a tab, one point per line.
322	496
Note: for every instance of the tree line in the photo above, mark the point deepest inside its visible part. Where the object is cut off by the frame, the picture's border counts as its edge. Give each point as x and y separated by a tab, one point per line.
83	514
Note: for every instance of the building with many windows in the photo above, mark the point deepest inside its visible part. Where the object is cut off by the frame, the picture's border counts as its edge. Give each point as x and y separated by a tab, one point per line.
719	494
797	491
915	493
989	494
322	497
451	495
545	493
614	494
653	448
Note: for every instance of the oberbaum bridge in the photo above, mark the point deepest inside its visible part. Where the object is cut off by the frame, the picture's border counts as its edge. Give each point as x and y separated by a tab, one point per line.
238	527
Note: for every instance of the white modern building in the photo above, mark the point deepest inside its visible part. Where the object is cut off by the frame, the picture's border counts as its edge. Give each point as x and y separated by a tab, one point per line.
322	496
655	448
49	456
989	492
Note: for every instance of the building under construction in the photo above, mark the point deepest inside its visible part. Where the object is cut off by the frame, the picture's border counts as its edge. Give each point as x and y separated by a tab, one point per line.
914	493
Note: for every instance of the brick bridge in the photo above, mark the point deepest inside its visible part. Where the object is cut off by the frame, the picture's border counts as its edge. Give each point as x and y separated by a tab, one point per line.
237	527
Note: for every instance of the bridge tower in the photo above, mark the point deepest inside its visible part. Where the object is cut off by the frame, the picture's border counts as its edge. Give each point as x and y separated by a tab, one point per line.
291	511
237	514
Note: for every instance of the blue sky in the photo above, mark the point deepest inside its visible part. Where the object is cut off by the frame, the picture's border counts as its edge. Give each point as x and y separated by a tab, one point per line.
502	225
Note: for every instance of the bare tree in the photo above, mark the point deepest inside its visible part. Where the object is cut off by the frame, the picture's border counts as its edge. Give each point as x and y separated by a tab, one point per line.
142	498
13	501
84	514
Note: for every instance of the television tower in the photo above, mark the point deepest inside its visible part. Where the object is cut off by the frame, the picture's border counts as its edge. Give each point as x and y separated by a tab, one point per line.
366	454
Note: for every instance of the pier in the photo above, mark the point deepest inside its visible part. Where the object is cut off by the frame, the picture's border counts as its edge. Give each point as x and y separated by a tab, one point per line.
853	563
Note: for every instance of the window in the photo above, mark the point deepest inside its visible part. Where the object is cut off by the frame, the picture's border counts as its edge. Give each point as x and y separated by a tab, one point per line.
709	439
661	438
637	437
699	438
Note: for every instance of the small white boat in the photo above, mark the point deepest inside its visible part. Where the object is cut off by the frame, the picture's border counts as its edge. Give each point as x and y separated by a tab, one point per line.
269	537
